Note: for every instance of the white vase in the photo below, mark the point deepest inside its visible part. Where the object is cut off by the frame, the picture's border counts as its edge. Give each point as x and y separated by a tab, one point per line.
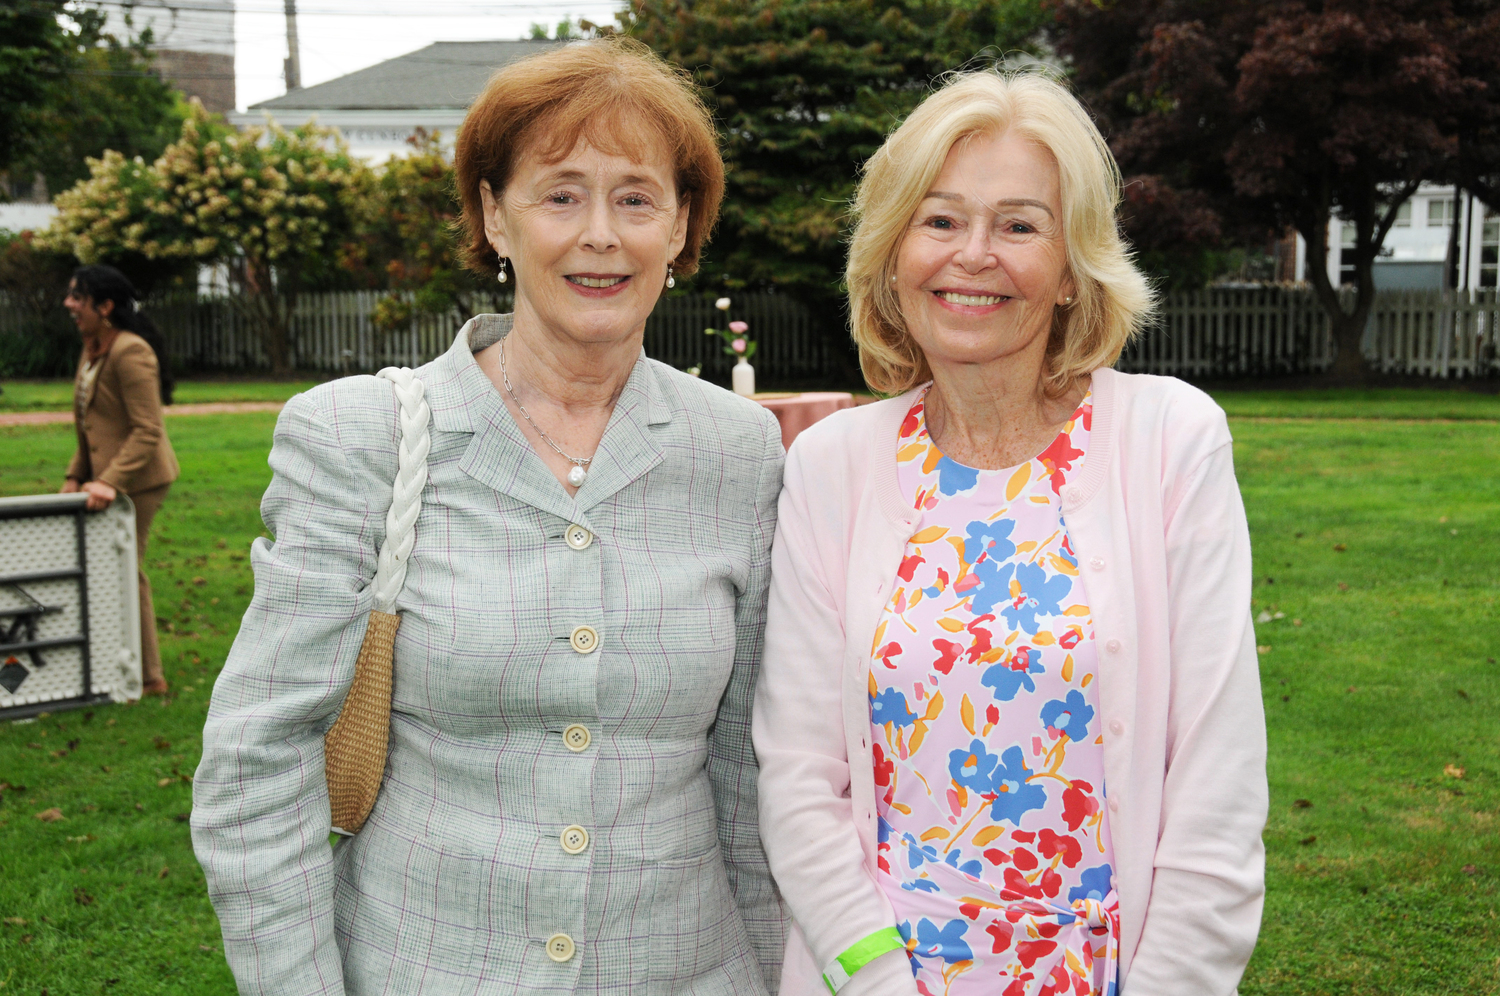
744	379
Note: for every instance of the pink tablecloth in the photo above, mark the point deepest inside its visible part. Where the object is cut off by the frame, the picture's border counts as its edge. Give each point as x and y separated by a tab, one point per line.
796	412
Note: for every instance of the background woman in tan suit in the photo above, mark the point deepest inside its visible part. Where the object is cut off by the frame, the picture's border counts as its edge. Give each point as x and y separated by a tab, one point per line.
123	381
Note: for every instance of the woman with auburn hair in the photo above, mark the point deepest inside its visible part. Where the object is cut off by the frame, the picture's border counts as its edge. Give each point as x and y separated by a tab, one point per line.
569	798
1009	722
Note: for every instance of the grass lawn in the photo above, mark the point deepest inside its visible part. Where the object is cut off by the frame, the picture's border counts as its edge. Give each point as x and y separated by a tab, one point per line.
57	395
1380	537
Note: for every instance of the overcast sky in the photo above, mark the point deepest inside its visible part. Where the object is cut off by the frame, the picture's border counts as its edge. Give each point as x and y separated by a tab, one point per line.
340	36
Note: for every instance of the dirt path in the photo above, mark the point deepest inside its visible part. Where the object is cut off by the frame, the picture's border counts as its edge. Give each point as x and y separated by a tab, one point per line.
210	408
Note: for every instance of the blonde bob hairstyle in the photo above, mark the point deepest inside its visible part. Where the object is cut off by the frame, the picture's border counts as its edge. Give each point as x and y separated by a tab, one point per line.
1112	300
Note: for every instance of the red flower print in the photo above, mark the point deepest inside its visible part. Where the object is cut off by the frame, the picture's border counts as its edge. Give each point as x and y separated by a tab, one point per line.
983	638
1030	951
1016	883
1085	414
884	766
942	580
1024	859
1002	932
1076	803
1057	981
1052	844
912	422
949	651
888	651
992	714
1049	928
969	910
1070	639
1024	836
995	856
909	566
1018	987
1059	457
1051	882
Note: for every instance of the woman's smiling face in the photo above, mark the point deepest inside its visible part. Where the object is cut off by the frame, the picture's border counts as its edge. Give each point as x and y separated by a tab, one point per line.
589	238
984	262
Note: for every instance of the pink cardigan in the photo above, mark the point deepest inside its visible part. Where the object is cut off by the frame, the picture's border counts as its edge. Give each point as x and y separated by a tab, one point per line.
1161	536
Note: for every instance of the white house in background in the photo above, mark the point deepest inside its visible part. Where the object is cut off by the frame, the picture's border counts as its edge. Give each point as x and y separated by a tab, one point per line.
377	109
1416	250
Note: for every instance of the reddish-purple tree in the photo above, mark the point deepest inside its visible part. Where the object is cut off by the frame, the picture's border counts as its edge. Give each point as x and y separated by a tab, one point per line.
1289	112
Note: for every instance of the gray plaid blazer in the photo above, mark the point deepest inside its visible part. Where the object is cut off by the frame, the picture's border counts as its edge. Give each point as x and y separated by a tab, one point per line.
459	877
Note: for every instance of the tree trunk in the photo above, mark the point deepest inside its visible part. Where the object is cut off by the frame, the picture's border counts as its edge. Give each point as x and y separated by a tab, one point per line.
1346	328
270	309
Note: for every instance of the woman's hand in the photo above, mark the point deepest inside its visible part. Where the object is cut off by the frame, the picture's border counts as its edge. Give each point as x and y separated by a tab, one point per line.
69	487
100	495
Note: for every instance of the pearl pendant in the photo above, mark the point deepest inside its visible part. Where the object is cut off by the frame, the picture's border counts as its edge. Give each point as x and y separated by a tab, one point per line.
577	476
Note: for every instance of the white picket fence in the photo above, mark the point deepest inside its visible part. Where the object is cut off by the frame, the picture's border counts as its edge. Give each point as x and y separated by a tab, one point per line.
1215	333
1269	331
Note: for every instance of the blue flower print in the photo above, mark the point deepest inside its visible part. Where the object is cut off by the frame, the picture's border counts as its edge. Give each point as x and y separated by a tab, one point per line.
955	478
1094	883
904	928
917	852
993	587
971	868
1009	677
1039	594
989	537
973	768
1071	717
890	707
946	942
885	830
1016	797
921	885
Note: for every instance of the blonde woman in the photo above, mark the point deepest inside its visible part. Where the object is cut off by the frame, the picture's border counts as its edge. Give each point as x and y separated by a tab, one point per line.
1009	722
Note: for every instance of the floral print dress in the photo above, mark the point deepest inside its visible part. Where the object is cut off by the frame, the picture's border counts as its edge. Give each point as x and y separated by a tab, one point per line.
994	842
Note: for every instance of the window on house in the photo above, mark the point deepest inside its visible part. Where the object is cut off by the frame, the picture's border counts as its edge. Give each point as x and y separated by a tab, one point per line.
1489	252
1403	215
1348	236
1439	212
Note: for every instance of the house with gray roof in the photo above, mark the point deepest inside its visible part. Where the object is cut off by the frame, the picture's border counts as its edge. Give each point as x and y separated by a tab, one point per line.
378	108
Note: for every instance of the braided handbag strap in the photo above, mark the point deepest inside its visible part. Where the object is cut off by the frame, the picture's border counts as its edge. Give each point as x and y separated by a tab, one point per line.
406	498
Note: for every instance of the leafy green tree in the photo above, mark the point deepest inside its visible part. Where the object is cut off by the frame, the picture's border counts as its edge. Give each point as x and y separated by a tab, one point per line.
404	238
70	90
275	207
804	91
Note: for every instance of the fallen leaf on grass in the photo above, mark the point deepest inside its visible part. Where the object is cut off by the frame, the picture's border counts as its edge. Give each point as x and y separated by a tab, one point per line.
200	581
1339	548
1453	771
165	871
1303	803
1352	689
205	947
164	782
1308	840
84	839
1263	617
82	898
15	921
183	817
25	938
1296	622
1470	870
51	815
1343	587
1462	694
1263	650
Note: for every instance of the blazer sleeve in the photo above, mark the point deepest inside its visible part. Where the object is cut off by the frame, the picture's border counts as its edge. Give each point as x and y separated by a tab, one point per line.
807	818
731	755
1209	872
260	803
135	369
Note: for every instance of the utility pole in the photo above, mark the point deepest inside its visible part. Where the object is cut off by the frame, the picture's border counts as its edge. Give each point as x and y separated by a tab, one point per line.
292	66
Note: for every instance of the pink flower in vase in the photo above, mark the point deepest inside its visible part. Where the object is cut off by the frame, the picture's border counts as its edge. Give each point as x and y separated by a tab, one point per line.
738	328
738	345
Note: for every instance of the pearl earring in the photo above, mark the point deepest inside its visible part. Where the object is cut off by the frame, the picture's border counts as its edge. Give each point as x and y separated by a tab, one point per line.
893	278
501	275
671	280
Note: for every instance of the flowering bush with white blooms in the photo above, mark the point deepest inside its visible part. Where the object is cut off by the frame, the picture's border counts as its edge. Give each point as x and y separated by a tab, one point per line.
271	203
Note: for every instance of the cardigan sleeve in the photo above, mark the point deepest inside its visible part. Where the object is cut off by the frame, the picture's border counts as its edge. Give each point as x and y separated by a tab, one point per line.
1209	871
134	366
260	803
807	817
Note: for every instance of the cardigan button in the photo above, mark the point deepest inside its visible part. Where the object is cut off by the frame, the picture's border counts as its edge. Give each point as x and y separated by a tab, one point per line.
1113	646
1073	495
1097	563
1117	728
1114	805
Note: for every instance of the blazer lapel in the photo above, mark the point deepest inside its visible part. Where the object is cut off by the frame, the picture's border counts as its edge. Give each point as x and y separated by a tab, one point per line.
463	399
629	448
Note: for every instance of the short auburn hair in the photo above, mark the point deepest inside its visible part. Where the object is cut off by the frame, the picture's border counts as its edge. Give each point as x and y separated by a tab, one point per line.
1114	299
615	93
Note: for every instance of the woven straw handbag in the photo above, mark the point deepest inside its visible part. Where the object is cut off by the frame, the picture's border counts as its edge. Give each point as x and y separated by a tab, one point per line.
354	748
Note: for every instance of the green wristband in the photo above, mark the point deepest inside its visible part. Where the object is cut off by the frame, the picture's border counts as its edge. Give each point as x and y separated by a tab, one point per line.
860	954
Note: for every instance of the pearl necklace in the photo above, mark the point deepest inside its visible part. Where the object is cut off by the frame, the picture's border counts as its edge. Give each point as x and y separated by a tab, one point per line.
578	474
